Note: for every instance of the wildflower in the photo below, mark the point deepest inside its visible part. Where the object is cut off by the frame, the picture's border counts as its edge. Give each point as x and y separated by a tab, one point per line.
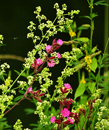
65	112
71	120
60	42
59	55
35	94
37	63
49	49
63	90
68	103
71	33
29	90
88	61
83	79
52	119
75	116
51	63
68	86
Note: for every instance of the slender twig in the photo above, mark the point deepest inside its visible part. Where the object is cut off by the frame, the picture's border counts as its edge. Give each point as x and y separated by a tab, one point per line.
14	105
10	56
70	42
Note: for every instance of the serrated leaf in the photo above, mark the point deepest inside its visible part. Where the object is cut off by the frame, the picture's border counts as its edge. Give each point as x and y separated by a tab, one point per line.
91	87
82	39
80	90
93	65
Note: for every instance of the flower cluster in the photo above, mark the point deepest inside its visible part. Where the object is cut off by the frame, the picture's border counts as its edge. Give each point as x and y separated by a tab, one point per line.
50	60
88	61
65	116
71	33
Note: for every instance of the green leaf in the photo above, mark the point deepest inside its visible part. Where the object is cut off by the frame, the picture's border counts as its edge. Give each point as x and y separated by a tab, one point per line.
94	49
83	99
21	91
29	111
85	17
80	90
91	87
92	75
82	28
33	125
82	39
94	15
18	98
73	26
102	2
93	65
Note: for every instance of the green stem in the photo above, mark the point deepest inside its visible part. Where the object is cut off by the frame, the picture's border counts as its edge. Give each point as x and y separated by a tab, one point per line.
99	70
16	80
79	78
91	33
14	105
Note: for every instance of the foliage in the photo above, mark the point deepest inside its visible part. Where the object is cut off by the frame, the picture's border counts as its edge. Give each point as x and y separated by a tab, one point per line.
88	110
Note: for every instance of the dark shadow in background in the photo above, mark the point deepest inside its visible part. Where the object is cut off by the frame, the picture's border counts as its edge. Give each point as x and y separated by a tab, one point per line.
14	19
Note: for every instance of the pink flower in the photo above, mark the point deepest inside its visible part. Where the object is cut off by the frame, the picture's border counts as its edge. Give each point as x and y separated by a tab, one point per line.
71	120
29	90
68	86
60	42
51	63
49	49
65	112
39	62
59	55
52	119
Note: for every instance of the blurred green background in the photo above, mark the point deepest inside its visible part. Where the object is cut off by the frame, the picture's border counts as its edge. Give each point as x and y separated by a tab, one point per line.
14	19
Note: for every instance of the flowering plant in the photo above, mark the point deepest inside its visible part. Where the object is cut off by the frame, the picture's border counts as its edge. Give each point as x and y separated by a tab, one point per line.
80	110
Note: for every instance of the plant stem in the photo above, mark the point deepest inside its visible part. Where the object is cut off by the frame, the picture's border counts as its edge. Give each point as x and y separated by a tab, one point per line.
14	105
91	33
16	79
